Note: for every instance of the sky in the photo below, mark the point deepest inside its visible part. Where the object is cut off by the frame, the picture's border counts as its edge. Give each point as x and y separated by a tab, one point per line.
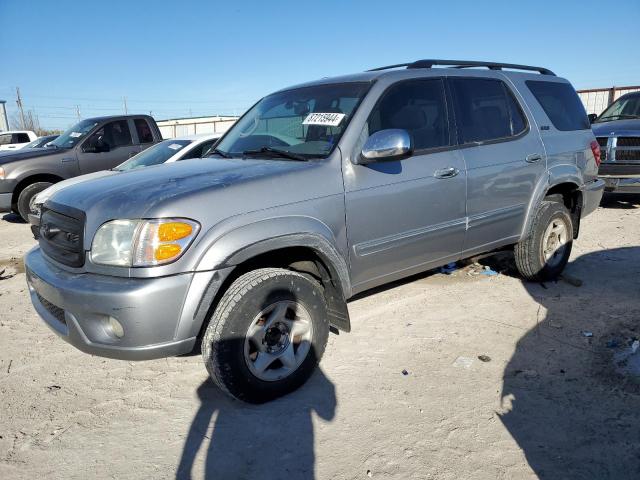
189	58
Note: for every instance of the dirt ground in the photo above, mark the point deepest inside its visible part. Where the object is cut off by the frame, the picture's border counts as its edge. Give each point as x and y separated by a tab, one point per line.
403	396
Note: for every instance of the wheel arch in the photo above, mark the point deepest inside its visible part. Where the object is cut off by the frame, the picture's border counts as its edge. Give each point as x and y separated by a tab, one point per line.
31	179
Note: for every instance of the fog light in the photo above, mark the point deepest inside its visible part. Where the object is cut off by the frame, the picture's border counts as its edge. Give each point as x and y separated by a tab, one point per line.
115	327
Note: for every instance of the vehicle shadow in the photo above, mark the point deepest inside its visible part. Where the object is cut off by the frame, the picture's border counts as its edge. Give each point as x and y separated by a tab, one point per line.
274	440
622	201
13	218
571	391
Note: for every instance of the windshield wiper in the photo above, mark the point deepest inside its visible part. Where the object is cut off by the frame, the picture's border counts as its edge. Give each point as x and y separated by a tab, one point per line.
277	153
611	117
218	152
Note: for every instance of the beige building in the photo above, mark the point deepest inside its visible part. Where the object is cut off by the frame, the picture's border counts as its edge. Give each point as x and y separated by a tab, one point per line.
178	127
597	99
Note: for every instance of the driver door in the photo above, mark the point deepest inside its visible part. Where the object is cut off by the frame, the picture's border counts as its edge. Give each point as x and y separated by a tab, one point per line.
107	147
409	215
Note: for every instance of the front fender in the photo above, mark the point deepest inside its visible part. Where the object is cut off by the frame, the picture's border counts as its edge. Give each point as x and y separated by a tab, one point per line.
244	242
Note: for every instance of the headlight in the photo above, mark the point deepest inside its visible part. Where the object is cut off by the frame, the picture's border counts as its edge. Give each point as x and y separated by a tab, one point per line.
142	243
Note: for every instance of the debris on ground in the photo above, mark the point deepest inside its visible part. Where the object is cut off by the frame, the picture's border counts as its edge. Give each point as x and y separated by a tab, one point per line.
449	268
464	362
587	334
627	360
634	346
489	271
555	324
613	344
404	372
571	280
369	474
484	358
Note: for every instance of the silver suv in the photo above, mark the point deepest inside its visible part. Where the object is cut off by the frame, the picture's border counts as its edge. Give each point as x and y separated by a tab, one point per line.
318	192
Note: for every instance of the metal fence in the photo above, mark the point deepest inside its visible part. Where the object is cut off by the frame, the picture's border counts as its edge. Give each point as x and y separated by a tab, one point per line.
597	99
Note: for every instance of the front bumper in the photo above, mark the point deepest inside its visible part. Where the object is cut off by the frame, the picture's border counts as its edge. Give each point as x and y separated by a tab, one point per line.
621	184
592	195
159	316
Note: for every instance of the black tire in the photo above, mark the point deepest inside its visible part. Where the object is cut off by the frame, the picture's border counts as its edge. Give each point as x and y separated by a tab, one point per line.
529	255
223	342
26	195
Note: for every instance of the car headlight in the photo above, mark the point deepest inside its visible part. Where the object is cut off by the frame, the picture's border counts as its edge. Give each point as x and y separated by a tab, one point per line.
142	243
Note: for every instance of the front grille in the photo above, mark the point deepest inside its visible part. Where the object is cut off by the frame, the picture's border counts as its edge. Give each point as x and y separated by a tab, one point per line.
627	155
60	235
602	141
628	141
54	310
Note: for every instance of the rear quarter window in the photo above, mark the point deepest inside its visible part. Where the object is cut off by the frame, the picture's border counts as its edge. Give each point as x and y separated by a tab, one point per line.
561	104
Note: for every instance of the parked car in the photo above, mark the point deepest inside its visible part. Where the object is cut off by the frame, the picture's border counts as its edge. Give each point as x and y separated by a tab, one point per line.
321	191
16	139
617	130
93	144
167	151
41	141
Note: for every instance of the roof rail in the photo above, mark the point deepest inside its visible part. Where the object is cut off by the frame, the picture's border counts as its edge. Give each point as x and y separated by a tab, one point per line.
465	64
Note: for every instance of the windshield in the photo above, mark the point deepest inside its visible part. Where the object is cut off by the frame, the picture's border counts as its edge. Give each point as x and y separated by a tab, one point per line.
76	133
154	155
306	122
625	107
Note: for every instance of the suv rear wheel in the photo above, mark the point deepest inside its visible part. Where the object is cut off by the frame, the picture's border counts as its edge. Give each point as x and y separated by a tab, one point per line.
266	335
545	252
27	196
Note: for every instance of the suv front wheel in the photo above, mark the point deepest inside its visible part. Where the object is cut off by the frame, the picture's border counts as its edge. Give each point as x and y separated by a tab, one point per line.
544	253
267	334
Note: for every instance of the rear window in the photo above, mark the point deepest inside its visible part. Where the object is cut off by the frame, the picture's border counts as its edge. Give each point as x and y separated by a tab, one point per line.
561	104
21	138
144	131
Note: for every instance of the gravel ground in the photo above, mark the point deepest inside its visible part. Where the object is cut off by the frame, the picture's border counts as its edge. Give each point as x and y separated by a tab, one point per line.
555	395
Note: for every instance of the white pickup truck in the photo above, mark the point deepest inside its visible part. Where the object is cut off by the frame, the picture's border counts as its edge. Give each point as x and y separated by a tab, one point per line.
16	139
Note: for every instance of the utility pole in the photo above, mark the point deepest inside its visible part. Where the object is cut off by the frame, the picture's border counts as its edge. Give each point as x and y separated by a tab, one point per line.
19	102
78	111
124	99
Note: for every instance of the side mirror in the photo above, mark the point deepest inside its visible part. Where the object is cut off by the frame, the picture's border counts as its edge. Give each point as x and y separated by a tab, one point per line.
96	146
592	117
390	144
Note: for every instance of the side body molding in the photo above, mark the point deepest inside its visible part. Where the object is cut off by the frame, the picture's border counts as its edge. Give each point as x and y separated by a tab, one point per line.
564	173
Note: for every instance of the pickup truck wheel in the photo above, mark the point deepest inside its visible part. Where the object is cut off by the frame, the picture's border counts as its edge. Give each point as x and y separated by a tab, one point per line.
27	196
266	335
545	252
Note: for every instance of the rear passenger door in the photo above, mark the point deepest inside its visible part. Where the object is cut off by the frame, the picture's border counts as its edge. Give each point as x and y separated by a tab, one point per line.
117	138
405	216
504	157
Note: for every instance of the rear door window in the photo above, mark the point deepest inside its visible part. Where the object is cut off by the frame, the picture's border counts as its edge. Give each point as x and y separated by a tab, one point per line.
5	139
144	131
485	110
561	104
417	106
21	138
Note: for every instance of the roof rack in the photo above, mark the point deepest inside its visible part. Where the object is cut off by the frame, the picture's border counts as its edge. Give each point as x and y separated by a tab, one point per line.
465	64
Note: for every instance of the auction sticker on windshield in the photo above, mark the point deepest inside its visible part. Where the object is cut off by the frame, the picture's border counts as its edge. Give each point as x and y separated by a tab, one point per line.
325	119
175	146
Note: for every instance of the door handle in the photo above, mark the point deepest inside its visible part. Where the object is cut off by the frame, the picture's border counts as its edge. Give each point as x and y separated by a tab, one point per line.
449	172
533	158
67	160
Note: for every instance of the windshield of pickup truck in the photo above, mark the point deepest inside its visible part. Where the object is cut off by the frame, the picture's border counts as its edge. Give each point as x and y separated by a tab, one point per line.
625	107
72	136
301	123
154	155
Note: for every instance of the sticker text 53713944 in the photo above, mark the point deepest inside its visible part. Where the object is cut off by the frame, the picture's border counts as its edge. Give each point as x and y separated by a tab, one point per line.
325	119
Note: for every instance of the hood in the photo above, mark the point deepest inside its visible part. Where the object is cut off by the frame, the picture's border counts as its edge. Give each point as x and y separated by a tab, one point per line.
44	195
26	153
617	128
206	189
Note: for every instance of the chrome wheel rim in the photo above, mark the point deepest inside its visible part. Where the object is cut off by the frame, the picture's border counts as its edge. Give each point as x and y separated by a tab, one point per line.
278	340
554	242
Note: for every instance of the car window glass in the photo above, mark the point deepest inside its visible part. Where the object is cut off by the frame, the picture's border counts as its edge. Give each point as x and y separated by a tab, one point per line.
114	134
5	139
417	106
485	110
154	155
21	138
199	151
561	104
144	131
